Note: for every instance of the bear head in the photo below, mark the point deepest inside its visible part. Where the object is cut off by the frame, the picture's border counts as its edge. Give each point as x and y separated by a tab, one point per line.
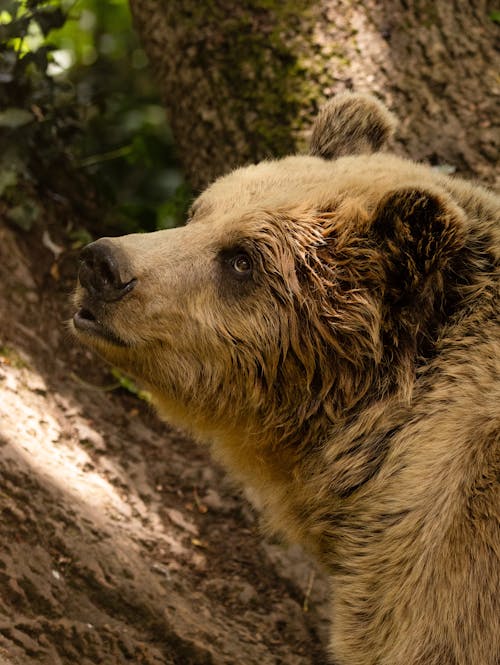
299	290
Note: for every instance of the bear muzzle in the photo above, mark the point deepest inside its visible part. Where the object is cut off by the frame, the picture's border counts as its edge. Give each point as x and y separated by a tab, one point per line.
105	277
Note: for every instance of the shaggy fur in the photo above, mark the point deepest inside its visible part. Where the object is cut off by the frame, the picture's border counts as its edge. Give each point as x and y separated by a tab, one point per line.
331	327
351	125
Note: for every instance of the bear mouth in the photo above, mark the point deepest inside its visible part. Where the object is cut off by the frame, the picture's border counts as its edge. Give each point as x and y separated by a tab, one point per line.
86	322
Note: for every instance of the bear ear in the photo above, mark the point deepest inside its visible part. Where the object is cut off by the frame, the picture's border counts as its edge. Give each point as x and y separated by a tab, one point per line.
420	231
351	124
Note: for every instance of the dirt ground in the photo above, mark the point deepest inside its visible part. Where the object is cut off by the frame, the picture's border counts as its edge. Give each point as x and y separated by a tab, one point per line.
122	542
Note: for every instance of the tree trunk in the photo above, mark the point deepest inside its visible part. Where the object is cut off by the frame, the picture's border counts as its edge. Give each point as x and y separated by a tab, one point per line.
242	80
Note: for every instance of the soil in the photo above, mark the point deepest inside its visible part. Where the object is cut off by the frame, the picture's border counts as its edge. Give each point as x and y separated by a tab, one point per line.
122	541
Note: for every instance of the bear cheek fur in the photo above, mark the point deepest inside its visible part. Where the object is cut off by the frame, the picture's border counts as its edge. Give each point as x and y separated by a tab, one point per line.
205	347
166	321
230	378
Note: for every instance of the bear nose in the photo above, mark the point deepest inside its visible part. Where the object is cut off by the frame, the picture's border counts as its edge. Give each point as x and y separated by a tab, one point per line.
105	271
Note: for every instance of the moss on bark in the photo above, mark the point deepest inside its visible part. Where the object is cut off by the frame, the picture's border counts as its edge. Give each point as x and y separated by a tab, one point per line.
236	77
241	80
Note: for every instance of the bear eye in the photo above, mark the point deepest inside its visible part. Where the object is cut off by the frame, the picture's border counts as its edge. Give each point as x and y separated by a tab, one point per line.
241	264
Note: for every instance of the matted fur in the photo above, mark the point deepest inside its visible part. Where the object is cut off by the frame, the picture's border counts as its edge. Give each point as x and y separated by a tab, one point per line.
351	380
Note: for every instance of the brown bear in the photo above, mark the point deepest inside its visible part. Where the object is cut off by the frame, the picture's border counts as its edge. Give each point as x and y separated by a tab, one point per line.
330	324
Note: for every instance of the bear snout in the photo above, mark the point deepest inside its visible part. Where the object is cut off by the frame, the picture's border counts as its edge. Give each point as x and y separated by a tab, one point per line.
105	271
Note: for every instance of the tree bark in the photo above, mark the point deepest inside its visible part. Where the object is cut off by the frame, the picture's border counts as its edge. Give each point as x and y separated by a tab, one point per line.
241	81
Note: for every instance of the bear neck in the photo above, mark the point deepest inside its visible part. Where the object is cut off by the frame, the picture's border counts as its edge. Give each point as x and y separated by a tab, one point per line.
301	483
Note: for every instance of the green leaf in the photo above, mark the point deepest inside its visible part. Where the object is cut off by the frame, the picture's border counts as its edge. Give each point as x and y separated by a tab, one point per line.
80	238
129	384
495	15
24	215
10	7
8	178
173	211
15	117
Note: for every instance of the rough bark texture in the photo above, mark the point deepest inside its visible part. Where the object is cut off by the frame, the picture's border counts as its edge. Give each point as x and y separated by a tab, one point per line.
231	77
241	80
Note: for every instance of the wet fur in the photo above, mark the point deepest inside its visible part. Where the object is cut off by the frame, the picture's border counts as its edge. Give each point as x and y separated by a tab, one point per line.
352	384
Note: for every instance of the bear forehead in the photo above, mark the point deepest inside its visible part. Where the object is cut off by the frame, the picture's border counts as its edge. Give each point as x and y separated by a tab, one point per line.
308	182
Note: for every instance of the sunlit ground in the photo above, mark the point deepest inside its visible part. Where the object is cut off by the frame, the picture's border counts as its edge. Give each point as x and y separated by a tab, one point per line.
53	454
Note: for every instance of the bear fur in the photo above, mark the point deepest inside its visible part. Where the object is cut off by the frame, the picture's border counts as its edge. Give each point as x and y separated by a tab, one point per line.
330	324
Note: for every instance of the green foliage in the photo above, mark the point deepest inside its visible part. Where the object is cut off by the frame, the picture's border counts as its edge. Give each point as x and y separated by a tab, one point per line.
11	357
173	212
128	384
495	16
76	97
37	117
